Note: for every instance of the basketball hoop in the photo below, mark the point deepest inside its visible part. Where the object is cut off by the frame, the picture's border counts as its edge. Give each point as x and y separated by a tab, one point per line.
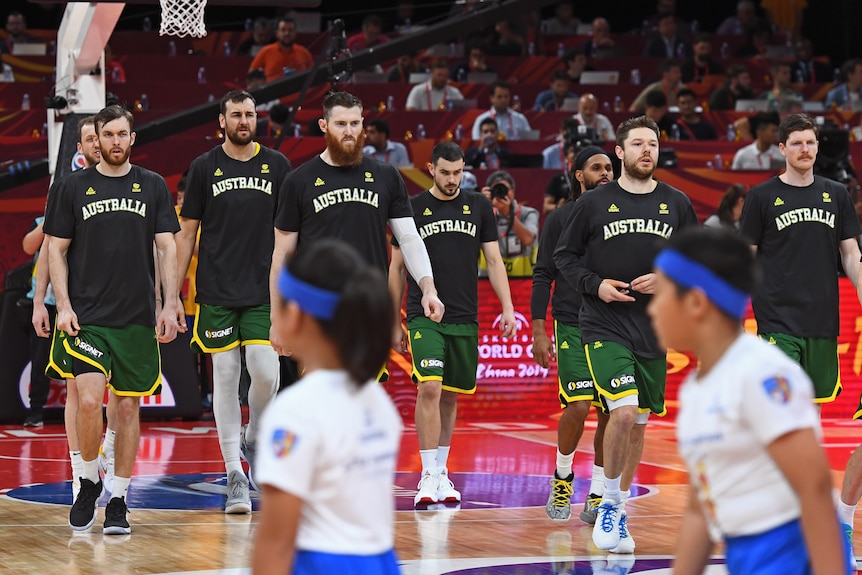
183	18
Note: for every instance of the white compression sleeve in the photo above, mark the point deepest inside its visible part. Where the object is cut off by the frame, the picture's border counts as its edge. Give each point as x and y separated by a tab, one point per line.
226	410
262	364
415	255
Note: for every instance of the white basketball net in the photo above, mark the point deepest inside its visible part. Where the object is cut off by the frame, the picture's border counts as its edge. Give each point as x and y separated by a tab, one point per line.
183	18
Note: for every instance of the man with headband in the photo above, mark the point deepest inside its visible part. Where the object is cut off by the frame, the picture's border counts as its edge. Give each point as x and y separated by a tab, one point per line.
800	226
747	428
591	168
606	252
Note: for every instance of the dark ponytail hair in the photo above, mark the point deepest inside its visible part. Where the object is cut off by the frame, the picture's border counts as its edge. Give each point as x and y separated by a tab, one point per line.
728	202
361	327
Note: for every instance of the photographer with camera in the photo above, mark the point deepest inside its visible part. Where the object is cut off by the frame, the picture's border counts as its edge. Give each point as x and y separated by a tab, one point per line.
489	154
517	226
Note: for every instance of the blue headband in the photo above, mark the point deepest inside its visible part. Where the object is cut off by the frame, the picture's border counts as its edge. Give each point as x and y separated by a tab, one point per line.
690	274
316	302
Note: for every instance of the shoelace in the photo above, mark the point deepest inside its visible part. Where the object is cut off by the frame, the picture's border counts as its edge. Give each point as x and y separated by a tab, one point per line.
562	492
446	482
116	511
608	513
235	489
624	531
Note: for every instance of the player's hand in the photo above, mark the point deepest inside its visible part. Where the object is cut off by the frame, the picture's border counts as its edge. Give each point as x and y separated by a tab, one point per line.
275	340
543	349
614	290
41	321
166	323
433	307
508	324
399	338
486	191
67	320
644	284
182	326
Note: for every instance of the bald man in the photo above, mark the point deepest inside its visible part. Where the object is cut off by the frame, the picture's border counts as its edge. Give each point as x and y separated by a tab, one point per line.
588	115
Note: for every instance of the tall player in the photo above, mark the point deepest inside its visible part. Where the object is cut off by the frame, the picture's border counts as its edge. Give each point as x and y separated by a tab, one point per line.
591	168
103	223
606	252
88	147
341	194
230	194
455	225
801	225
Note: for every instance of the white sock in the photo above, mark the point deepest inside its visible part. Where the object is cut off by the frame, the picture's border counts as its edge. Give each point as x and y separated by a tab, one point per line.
564	464
262	364
429	460
846	513
108	444
443	455
121	486
612	489
228	417
597	482
624	497
91	470
77	464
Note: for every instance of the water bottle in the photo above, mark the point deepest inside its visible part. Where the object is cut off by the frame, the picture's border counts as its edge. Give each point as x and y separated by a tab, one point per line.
420	132
645	27
297	131
8	74
452	50
725	50
202	75
390	103
516	102
836	75
594	50
44	131
115	74
561	50
172	48
680	51
635	77
406	28
695	27
731	133
800	78
249	24
606	107
718	162
531	49
147	24
52	48
618	104
450	105
211	98
145	102
674	132
25	102
226	49
459	133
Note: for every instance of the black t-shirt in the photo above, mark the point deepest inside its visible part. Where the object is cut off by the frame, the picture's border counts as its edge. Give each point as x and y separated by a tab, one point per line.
235	203
112	222
559	188
614	234
702	130
797	231
566	303
351	203
453	232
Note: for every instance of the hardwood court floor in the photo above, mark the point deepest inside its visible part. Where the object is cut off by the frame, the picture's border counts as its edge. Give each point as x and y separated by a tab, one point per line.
502	470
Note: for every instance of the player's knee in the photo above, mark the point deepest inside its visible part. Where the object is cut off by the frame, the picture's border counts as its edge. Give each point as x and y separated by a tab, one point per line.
577	411
448	399
430	390
624	416
128	408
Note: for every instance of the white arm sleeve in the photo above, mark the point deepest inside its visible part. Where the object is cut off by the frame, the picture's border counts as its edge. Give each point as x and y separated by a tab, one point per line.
415	255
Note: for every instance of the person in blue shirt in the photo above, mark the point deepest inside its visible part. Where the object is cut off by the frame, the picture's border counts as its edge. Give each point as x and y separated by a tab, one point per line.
554	97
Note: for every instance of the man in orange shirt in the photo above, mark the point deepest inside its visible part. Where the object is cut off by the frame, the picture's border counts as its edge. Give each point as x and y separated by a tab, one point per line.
283	54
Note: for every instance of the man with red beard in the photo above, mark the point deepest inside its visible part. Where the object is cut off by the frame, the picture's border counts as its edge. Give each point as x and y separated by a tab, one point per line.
341	194
606	252
103	223
230	194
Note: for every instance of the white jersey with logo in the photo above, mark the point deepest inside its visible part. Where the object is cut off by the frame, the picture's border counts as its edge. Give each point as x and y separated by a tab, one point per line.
754	395
324	435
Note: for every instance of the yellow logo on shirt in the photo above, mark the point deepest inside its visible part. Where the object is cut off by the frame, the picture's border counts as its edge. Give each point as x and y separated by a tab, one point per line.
826	197
369	177
318	182
136	188
597	345
466	210
772	340
218	172
90	191
427	212
662	209
613	209
264	168
778	202
417	335
564	345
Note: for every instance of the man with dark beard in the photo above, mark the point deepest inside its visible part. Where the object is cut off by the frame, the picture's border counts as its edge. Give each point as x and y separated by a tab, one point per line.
606	252
341	194
456	225
103	223
230	194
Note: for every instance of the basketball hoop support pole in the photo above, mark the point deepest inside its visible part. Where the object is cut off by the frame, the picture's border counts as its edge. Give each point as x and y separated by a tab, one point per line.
81	39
